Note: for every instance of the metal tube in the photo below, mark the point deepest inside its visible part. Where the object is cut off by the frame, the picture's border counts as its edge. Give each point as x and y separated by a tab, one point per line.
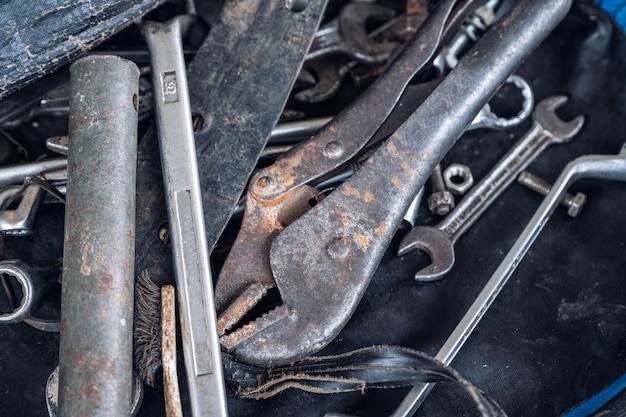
95	356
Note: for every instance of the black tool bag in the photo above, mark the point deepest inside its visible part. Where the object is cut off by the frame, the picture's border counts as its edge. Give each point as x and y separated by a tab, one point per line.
40	36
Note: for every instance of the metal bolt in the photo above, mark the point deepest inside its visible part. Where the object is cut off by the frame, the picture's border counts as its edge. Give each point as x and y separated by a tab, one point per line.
441	201
339	248
266	183
573	203
333	149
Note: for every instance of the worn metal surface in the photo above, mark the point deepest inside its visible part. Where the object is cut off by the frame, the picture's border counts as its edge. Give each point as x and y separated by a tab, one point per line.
347	34
328	149
248	62
259	227
52	394
171	391
566	314
190	253
324	260
253	43
329	75
95	354
353	127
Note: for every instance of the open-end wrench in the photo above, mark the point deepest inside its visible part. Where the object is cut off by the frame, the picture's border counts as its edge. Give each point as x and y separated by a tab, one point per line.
347	35
19	221
606	167
329	76
201	346
438	241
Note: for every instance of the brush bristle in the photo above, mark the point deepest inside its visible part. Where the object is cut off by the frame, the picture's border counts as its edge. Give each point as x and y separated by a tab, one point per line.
147	328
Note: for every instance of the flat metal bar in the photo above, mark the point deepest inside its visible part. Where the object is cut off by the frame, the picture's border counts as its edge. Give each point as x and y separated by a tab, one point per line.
240	80
201	345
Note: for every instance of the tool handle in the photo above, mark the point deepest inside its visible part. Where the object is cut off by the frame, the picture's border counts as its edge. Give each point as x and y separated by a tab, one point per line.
186	220
350	130
173	407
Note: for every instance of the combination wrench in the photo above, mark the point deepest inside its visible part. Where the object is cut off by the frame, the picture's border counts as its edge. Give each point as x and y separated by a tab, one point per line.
438	241
201	346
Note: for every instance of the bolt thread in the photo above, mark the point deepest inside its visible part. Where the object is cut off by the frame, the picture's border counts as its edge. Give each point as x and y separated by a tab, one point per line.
541	186
436	180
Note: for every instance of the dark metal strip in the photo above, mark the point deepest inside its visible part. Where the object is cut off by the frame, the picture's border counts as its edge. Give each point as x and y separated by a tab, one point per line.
239	81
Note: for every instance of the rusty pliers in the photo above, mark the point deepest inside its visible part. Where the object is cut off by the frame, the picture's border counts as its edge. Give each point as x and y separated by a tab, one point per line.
322	258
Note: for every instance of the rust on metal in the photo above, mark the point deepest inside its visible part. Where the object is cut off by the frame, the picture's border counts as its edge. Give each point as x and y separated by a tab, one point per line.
240	307
260	225
95	361
417	7
173	406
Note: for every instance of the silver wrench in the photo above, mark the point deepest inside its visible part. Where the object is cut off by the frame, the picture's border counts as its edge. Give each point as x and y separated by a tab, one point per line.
19	221
201	346
438	241
346	34
487	119
606	167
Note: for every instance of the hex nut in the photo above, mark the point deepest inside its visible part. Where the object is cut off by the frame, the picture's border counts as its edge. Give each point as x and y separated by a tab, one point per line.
458	178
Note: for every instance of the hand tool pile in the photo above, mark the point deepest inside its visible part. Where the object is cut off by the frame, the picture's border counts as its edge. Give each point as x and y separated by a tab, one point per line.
285	189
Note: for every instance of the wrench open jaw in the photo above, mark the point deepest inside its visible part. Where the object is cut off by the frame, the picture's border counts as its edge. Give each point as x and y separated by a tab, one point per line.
245	287
347	35
437	245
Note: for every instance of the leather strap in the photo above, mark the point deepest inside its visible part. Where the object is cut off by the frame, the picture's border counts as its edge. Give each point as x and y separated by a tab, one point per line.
371	367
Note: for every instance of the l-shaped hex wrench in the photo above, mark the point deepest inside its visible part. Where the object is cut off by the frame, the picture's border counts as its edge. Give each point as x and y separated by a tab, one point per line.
201	345
607	167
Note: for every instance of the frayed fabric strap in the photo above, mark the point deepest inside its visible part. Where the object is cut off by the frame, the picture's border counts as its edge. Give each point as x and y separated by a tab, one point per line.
370	367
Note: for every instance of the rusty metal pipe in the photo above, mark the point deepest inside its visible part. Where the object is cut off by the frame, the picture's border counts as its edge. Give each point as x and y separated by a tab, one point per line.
95	357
